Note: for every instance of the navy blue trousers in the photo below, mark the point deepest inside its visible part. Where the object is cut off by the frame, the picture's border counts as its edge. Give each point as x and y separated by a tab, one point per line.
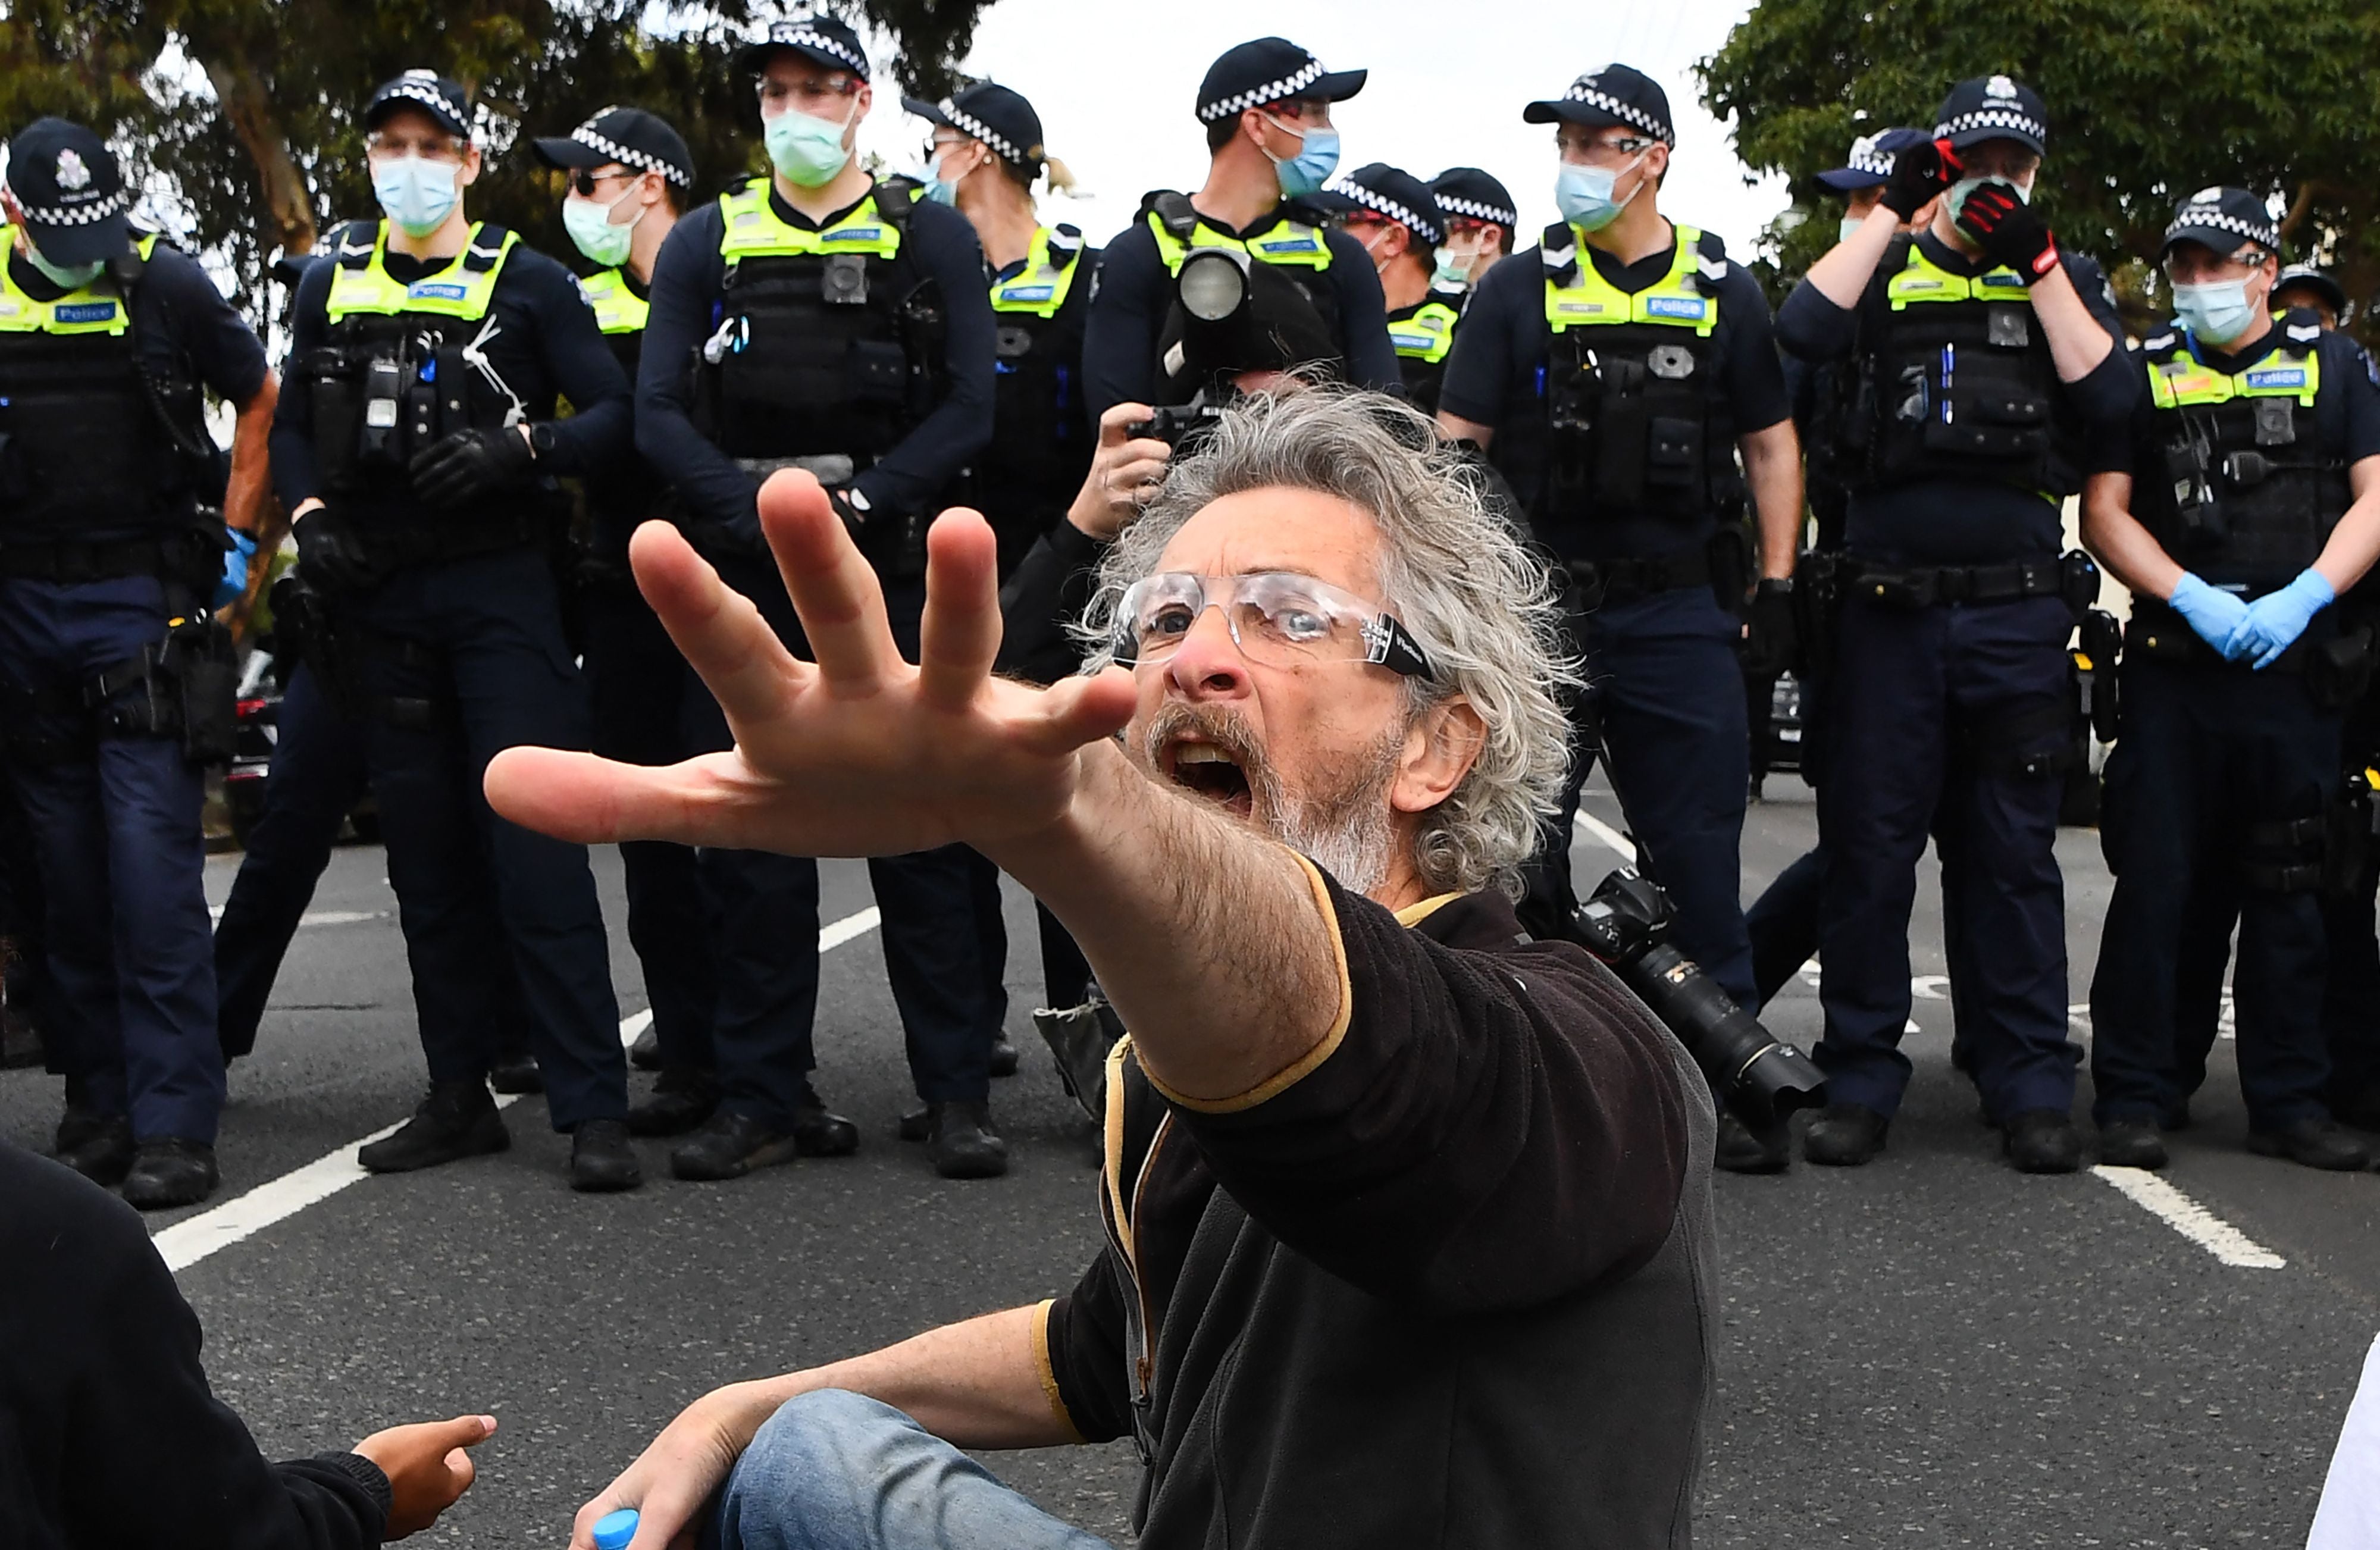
122	861
503	676
2204	752
1915	700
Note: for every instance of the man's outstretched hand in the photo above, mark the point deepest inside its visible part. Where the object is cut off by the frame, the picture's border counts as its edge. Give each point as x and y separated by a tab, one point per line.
859	752
427	1466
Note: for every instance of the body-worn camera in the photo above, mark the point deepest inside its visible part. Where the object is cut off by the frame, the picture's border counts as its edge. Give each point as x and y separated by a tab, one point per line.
1759	1076
1172	423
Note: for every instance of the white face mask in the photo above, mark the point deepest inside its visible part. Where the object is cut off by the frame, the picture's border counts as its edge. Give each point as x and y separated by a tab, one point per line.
594	232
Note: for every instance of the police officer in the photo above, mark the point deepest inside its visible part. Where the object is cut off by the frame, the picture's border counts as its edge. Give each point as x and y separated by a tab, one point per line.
984	153
2306	285
1984	356
823	321
2246	500
1266	108
416	453
1396	218
1480	220
108	565
1614	372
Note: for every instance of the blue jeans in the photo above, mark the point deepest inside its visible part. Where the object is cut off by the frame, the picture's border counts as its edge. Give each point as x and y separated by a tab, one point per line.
836	1471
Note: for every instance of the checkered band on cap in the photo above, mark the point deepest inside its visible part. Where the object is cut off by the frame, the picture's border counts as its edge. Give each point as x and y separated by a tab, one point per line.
587	135
803	34
1587	90
88	214
1404	215
2016	119
1280	91
973	128
1478	210
1866	158
421	86
2264	233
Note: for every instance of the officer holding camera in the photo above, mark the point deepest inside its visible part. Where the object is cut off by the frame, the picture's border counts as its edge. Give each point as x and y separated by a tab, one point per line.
2244	503
1983	355
1396	218
819	319
118	681
1266	108
1615	372
416	451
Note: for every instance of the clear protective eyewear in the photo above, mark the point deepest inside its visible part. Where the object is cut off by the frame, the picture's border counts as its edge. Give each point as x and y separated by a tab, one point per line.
1279	618
383	147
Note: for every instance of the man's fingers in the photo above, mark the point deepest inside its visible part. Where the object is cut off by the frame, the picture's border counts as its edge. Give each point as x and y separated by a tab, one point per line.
466	1431
460	1471
719	630
592	800
960	633
833	588
1075	712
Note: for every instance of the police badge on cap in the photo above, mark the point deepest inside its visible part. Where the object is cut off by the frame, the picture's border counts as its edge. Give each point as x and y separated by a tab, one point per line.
66	182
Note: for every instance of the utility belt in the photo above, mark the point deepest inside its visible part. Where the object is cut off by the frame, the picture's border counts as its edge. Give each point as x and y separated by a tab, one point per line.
387	548
190	558
1627	579
336	646
2072	577
894	542
2337	662
181	687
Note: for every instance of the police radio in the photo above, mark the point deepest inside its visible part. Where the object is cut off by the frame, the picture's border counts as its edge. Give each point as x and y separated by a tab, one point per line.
381	439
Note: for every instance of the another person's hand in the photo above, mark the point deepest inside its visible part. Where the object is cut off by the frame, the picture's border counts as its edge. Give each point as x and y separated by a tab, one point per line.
1919	174
427	1468
328	555
233	584
679	1472
2273	622
1771	638
2008	231
1125	474
2210	610
470	463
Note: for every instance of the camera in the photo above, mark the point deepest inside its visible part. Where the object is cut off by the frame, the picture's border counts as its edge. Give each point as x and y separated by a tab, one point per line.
1174	423
1759	1076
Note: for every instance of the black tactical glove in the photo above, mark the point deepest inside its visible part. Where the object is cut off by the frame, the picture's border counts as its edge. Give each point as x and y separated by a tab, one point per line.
1772	636
2008	231
329	557
1919	174
470	463
850	506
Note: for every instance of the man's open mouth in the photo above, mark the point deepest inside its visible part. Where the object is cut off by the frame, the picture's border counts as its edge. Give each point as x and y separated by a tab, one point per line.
1210	772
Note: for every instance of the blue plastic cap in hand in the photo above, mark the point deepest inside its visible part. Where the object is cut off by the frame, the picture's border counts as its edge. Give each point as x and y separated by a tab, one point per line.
613	1529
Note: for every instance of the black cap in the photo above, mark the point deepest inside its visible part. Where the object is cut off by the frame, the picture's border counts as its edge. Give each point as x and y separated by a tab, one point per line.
441	97
2223	219
1611	94
72	192
1993	107
1870	163
636	139
1390	193
1277	330
1003	119
820	35
1473	195
2307	277
1270	70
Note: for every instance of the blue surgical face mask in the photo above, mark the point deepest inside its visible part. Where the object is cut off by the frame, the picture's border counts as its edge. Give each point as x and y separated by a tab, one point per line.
808	151
1849	228
2217	312
1955	200
66	277
933	185
592	231
1316	159
416	193
1583	194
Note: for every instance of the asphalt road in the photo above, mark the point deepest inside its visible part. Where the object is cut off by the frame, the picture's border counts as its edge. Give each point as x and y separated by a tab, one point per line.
1929	1351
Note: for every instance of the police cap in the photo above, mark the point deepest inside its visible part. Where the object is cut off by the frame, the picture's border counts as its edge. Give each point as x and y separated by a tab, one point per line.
2305	276
1993	107
1270	70
820	36
636	139
71	190
1612	95
1870	163
1391	194
1472	195
1000	117
442	97
2225	219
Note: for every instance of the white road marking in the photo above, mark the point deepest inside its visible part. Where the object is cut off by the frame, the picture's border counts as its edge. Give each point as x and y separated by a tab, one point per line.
1587	823
194	1238
2191	1219
320	917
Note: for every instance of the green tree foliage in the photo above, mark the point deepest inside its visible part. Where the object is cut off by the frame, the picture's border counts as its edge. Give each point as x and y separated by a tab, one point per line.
267	151
2149	100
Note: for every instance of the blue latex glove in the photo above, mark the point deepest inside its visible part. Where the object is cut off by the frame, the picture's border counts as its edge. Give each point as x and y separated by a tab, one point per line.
233	580
2275	620
2210	610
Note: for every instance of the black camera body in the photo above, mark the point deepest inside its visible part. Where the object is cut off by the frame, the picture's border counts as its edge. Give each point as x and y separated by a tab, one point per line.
1172	423
1760	1077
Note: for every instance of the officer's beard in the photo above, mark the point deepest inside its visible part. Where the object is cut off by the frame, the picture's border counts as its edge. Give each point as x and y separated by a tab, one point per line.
1343	826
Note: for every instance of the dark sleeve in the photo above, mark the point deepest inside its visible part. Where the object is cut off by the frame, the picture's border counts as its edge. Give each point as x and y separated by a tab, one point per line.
154	1458
1363	316
2135	445
296	475
912	475
2105	394
1083	1343
1488	1129
1052	584
1812	327
1480	368
221	347
684	289
2353	369
1120	335
1756	393
581	366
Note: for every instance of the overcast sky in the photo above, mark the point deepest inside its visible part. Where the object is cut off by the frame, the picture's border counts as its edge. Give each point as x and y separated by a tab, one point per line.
1116	86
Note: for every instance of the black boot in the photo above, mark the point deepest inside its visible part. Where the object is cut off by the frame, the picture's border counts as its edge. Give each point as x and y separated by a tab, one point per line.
601	1161
1003	1057
1844	1135
100	1148
681	1100
2131	1143
2316	1141
514	1071
80	1125
730	1146
457	1120
820	1132
2361	1111
168	1171
645	1053
962	1143
1742	1149
2042	1141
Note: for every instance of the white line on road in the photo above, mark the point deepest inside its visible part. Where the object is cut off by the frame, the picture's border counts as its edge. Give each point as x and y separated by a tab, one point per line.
1587	823
194	1238
2191	1219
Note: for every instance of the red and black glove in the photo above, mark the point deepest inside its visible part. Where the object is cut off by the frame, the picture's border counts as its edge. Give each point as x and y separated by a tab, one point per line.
1919	175
2008	231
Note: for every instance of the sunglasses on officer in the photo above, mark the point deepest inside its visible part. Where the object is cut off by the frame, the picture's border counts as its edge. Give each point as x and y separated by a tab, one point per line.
1281	619
585	181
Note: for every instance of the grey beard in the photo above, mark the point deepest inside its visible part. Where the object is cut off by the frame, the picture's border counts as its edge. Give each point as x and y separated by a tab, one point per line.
1345	832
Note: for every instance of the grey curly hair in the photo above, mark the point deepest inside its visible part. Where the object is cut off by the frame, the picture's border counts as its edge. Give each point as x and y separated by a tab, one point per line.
1481	606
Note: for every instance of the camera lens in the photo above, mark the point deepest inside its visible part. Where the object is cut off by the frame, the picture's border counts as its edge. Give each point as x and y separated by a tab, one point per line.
1212	287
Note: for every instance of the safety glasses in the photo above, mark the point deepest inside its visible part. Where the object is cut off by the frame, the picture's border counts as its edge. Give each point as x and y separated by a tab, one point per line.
1280	618
583	183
